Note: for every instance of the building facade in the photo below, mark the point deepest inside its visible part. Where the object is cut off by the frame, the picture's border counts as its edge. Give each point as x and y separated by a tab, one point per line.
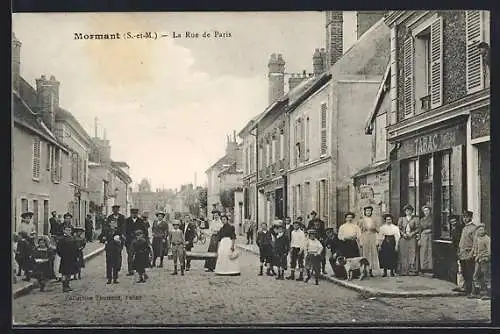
440	107
371	183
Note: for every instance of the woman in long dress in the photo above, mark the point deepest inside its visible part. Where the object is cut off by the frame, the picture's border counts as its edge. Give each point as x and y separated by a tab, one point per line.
213	230
407	247
425	240
388	240
227	262
160	234
368	240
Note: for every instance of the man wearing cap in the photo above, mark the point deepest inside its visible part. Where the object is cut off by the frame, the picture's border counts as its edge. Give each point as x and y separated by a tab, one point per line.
132	224
160	234
465	252
189	230
89	228
319	225
113	235
314	218
53	222
67	222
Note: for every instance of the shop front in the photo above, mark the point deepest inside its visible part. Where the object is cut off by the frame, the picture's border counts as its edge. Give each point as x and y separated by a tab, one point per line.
429	168
273	199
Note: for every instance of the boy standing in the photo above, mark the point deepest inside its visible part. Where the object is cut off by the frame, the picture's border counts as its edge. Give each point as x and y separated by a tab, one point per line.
481	252
281	248
177	244
313	256
297	245
81	242
67	249
265	244
140	249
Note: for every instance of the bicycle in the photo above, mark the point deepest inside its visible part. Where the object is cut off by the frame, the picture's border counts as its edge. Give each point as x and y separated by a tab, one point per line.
200	237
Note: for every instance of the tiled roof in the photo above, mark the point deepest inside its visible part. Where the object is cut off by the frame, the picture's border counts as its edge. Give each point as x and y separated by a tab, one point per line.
222	161
368	56
371	169
64	115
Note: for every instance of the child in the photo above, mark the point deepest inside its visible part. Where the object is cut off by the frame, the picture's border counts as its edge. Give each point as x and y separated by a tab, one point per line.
265	243
67	249
24	255
81	242
481	251
43	256
177	244
297	245
140	247
313	256
331	243
281	249
16	270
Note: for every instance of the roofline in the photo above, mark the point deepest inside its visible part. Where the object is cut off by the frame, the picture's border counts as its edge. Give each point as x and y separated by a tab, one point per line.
320	82
268	110
378	101
73	122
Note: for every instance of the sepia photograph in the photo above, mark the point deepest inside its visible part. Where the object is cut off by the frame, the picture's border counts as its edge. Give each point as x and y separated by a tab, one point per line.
287	168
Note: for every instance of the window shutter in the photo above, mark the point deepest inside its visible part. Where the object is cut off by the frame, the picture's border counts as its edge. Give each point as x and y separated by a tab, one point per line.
326	209
36	157
474	63
59	166
319	201
323	128
302	141
437	63
408	61
395	187
49	157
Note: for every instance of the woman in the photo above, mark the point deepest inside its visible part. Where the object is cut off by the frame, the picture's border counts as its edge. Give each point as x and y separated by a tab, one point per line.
425	240
407	247
213	230
349	234
226	265
368	241
160	233
388	239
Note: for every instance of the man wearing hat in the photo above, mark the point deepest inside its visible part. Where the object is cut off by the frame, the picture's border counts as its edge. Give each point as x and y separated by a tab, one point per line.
465	252
132	224
160	234
113	235
313	220
53	222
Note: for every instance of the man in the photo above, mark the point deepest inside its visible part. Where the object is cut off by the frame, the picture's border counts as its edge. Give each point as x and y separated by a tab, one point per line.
288	227
160	234
89	228
298	242
189	230
113	236
67	220
314	219
456	228
53	223
132	224
465	252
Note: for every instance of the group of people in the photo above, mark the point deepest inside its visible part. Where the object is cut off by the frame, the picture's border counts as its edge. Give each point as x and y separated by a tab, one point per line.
37	255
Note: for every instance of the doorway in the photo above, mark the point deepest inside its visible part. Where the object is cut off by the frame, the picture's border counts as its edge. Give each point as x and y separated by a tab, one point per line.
35	215
45	217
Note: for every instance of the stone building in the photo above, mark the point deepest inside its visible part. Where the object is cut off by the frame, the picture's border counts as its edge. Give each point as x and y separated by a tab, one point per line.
439	120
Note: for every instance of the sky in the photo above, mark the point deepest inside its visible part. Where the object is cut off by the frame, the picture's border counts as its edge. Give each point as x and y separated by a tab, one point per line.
167	104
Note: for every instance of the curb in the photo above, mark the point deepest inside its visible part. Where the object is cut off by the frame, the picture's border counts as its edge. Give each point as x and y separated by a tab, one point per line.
33	285
371	292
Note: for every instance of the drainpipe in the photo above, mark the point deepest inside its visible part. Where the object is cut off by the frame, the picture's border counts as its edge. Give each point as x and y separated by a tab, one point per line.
256	135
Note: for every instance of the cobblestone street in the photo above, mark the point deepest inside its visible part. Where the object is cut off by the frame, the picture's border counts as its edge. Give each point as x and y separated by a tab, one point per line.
203	298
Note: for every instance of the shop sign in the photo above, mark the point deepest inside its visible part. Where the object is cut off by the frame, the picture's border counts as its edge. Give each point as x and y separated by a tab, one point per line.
436	141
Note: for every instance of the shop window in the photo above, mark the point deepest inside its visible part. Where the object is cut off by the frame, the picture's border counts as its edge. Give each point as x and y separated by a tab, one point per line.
412	183
446	191
427	168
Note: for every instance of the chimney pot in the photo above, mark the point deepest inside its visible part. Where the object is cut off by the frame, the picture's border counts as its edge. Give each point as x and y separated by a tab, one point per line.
43	77
52	78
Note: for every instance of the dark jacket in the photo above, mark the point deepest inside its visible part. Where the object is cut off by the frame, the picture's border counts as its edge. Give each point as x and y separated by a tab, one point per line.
131	227
189	233
67	249
111	228
54	226
264	239
312	221
282	245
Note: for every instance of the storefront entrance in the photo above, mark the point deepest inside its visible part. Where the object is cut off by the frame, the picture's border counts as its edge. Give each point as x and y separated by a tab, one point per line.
485	184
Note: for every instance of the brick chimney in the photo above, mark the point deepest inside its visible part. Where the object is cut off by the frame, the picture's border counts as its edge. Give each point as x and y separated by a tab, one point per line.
295	79
47	94
276	77
319	59
366	19
334	37
16	63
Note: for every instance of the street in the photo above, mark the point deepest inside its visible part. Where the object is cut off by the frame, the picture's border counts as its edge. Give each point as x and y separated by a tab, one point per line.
203	298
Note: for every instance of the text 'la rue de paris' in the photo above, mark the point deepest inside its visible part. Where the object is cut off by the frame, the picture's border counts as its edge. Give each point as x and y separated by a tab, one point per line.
206	34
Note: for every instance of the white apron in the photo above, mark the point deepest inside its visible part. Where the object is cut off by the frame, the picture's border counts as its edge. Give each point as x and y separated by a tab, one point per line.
224	265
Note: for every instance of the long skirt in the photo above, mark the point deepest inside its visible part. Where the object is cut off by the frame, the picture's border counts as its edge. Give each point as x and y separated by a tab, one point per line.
426	251
407	256
369	250
388	255
212	247
349	248
225	265
159	247
141	261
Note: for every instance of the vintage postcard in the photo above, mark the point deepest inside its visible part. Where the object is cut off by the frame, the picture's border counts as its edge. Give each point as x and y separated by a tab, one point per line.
251	168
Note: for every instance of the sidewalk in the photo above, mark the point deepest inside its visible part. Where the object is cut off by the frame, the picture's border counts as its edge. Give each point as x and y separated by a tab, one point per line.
400	286
20	288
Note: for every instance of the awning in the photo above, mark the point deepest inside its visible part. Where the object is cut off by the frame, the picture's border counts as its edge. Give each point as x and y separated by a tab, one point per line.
375	168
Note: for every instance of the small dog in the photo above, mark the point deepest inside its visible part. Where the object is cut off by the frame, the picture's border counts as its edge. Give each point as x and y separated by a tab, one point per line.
352	264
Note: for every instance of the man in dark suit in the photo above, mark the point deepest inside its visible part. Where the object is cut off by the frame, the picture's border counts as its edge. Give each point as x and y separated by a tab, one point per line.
113	235
89	228
314	219
54	224
189	230
132	224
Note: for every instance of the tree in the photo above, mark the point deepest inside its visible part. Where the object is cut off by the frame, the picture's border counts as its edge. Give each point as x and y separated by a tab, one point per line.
227	198
202	198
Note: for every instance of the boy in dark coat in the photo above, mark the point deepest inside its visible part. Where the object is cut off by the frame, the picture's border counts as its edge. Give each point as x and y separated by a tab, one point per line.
281	249
265	244
140	247
67	249
81	242
113	236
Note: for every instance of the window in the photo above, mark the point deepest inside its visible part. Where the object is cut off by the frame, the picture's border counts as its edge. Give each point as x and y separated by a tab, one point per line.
268	154
306	139
323	200
477	30
48	159
74	167
261	157
298	141
282	145
412	183
427	177
307	197
35	214
245	160
446	191
299	200
273	156
85	166
380	137
36	158
252	161
423	71
24	205
408	102
277	148
324	144
294	202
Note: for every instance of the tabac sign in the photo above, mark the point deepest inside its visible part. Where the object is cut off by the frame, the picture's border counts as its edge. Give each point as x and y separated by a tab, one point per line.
432	142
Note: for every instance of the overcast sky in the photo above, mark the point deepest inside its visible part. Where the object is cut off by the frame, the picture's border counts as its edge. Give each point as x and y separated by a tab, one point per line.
166	104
